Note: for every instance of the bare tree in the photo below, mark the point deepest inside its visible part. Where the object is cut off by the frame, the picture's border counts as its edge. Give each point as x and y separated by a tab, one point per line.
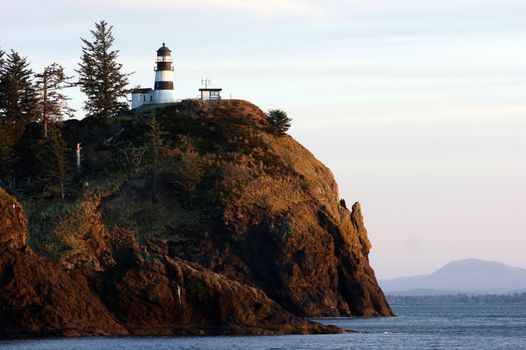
53	102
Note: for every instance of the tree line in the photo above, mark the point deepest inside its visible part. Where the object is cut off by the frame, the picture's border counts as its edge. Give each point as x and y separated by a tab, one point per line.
28	97
460	298
33	106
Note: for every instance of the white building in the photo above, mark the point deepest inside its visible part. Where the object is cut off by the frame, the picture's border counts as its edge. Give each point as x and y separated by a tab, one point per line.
163	91
208	93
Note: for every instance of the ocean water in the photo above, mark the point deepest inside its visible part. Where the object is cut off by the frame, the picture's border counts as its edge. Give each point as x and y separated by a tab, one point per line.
477	327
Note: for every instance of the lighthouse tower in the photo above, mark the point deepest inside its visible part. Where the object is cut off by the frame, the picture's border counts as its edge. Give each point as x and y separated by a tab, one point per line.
164	77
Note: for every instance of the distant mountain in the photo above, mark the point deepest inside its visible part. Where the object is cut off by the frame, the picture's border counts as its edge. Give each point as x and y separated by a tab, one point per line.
462	276
421	292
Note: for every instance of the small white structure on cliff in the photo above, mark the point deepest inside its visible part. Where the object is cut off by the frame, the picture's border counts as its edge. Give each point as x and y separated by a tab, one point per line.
163	91
208	93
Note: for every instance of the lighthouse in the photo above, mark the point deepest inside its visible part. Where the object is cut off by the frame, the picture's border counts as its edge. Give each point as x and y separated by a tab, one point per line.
164	77
163	91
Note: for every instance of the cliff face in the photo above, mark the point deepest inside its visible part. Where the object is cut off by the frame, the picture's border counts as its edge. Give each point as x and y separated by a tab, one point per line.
149	293
221	227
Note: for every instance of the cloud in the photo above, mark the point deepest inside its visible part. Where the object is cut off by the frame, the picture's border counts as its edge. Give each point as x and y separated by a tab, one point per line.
271	7
256	8
197	9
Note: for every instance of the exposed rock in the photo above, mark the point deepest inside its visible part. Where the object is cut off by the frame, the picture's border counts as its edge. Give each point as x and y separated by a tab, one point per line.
85	232
39	297
42	298
13	222
168	296
152	296
148	294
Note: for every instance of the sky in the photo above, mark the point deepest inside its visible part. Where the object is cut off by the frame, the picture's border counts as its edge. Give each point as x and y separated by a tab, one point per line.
418	107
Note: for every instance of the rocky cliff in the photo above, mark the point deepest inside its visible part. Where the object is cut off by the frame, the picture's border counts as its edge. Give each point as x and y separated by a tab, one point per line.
191	218
146	293
13	223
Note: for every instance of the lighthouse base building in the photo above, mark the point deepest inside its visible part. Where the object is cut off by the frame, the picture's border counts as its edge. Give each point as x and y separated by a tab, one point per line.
163	91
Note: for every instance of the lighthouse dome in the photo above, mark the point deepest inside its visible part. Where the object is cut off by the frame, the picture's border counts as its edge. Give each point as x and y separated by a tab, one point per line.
163	51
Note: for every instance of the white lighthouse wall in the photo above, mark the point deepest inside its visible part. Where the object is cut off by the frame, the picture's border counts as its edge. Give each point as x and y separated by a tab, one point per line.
163	96
164	75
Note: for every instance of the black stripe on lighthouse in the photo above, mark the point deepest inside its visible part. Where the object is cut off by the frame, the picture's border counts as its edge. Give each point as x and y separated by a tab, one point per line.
164	65
164	85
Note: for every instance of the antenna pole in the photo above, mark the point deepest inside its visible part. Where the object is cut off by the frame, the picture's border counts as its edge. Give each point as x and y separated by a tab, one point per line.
205	82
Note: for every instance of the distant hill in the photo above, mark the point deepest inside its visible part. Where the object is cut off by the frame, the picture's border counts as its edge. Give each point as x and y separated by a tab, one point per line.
460	299
462	276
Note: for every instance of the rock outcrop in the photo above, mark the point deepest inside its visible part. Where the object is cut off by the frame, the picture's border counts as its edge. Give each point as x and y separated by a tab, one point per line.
169	296
41	298
255	237
148	294
13	222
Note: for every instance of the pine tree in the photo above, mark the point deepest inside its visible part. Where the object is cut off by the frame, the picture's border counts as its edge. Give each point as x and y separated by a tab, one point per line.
188	171
53	102
54	163
279	122
156	150
18	106
100	76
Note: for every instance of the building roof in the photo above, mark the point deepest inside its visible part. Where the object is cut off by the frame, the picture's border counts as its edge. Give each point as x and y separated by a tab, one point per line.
210	89
141	90
164	51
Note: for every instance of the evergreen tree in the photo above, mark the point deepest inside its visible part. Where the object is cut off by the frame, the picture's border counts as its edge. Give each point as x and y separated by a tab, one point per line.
100	76
53	103
54	163
18	106
156	150
188	171
279	122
